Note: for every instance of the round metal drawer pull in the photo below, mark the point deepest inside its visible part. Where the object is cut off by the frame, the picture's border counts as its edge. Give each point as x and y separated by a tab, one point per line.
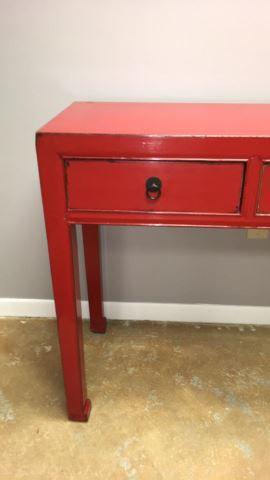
153	188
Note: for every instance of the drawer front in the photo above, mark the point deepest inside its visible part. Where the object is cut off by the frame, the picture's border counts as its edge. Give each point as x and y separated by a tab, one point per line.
264	192
187	186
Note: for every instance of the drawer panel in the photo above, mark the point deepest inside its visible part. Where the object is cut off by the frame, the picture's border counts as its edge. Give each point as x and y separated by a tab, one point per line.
187	186
264	193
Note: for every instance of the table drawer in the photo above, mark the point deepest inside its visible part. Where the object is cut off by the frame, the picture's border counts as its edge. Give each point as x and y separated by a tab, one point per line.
264	193
184	186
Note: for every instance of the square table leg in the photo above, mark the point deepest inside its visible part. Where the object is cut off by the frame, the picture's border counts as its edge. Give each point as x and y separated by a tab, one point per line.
62	245
92	256
65	274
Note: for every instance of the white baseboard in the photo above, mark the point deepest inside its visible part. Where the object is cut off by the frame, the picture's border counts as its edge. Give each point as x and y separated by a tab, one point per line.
175	312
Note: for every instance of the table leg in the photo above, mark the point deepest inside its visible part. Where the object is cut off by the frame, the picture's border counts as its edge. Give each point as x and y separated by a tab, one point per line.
91	242
65	275
62	244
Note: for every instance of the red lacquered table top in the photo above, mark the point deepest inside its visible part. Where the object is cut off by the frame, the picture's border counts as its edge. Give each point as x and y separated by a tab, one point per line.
163	119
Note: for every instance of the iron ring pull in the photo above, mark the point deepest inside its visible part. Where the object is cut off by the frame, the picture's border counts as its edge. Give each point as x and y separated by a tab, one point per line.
153	188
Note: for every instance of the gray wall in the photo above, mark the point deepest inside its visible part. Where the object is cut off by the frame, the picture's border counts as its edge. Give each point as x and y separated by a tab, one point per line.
55	52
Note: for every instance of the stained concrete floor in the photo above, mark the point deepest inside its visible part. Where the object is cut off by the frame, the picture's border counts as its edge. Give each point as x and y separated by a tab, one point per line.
170	401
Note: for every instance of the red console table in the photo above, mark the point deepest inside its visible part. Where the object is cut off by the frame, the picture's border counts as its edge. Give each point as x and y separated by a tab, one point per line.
205	165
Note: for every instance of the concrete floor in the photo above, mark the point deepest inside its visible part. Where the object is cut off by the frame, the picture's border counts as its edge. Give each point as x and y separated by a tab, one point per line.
170	401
